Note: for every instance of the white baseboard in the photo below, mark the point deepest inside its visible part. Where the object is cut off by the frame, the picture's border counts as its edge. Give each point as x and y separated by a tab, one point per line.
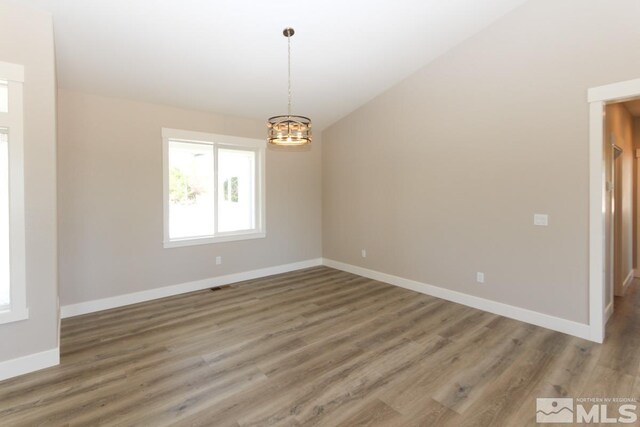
539	319
33	362
570	327
608	312
167	291
628	280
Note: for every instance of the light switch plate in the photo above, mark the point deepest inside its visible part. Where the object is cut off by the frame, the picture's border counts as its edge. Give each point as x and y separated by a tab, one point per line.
541	219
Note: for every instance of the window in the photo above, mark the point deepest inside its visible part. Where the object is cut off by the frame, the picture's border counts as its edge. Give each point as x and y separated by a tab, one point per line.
5	275
4	96
13	305
213	188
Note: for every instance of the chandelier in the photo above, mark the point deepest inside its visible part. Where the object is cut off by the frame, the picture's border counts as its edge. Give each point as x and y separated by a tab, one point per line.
289	129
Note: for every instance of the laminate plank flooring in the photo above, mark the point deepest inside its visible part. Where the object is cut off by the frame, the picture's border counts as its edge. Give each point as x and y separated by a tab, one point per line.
316	347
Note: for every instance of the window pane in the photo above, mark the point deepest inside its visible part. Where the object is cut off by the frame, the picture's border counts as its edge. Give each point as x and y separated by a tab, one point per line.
5	294
236	190
191	190
4	96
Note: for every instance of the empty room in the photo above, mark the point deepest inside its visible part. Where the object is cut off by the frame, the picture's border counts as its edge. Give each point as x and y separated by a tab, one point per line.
319	213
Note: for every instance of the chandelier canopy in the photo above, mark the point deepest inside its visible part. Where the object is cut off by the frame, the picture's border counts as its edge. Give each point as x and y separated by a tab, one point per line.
289	129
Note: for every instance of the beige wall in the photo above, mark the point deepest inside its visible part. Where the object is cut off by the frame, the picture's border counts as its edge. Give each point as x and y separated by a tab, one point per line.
26	37
619	131
439	177
110	200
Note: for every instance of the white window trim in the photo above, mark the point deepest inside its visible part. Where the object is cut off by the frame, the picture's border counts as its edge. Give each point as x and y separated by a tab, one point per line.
14	75
218	141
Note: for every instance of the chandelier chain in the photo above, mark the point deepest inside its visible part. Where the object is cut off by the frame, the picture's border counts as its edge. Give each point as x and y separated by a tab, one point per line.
289	69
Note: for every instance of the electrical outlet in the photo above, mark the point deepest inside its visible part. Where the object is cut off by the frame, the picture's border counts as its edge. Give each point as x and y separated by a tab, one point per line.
541	219
364	253
480	277
218	260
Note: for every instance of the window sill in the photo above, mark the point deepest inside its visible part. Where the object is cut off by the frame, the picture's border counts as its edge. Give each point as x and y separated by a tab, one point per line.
209	240
14	315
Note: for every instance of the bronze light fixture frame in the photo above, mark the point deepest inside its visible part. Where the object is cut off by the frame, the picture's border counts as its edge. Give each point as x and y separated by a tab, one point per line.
289	129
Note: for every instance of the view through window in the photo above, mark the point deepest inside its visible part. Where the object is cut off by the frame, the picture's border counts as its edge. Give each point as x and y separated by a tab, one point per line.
191	190
213	190
236	208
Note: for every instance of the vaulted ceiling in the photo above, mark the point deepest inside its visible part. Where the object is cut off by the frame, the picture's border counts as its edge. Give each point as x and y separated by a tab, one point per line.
229	56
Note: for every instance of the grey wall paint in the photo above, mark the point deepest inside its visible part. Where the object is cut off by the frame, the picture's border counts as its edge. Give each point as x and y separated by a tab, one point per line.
439	177
110	200
26	37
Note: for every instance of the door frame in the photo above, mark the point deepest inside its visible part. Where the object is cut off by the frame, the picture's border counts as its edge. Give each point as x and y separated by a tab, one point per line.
598	97
616	224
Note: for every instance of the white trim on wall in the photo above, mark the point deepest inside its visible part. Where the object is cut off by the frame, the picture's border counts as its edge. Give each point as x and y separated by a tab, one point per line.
33	362
628	280
596	221
14	314
615	92
167	291
535	318
608	312
598	97
580	330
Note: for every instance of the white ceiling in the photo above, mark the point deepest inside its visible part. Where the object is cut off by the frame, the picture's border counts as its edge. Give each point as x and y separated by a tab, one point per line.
229	56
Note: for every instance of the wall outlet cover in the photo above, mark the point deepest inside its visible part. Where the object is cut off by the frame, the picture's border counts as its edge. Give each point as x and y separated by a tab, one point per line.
541	219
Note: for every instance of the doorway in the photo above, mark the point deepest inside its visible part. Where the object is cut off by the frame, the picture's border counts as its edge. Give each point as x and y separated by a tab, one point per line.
613	222
621	237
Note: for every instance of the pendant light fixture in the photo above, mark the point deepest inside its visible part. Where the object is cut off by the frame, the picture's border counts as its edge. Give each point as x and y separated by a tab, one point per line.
290	130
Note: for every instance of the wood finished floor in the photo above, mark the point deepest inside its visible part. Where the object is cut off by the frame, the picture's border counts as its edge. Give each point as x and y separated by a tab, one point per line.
316	347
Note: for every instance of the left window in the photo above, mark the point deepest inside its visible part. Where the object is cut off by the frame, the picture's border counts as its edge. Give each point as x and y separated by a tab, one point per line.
13	303
213	188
